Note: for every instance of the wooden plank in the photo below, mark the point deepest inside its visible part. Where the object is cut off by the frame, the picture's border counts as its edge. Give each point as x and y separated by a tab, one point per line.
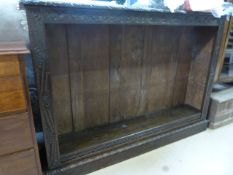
11	84
204	39
162	61
115	47
88	142
89	67
127	44
12	101
184	56
156	79
22	163
60	84
15	133
76	76
9	65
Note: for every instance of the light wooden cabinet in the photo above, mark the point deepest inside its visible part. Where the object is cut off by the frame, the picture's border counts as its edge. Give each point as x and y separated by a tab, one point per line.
18	147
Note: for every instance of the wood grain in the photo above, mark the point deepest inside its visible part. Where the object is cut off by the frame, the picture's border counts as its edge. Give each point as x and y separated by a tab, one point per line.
9	65
89	69
125	71
162	66
112	73
11	84
60	84
202	52
22	163
12	101
15	133
184	58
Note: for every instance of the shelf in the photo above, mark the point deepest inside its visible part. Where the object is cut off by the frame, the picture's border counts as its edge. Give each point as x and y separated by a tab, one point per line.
82	143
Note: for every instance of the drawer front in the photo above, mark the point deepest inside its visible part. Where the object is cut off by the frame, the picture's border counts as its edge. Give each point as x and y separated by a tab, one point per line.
21	163
9	65
11	84
12	97
12	101
15	134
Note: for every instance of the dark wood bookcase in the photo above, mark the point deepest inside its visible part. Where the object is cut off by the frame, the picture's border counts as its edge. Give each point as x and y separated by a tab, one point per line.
115	82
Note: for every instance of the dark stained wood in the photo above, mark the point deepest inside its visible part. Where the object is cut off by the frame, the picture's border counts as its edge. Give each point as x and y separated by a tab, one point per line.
60	84
9	65
76	62
116	73
89	69
125	71
157	74
202	52
15	133
161	66
127	152
184	56
124	132
21	163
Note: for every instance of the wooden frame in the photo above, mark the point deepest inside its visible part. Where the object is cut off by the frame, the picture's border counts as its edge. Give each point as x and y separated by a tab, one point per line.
41	13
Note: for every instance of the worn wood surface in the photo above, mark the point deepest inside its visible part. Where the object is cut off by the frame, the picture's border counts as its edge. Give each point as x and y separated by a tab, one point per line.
86	143
21	163
15	133
202	53
116	155
174	64
89	60
9	65
104	74
59	73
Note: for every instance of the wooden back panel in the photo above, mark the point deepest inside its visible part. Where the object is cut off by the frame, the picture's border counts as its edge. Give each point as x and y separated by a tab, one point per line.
106	73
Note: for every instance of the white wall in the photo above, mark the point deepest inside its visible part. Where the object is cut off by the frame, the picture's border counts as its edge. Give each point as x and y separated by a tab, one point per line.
13	26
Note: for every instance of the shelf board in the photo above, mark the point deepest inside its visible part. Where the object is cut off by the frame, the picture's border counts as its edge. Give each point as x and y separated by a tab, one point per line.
83	143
